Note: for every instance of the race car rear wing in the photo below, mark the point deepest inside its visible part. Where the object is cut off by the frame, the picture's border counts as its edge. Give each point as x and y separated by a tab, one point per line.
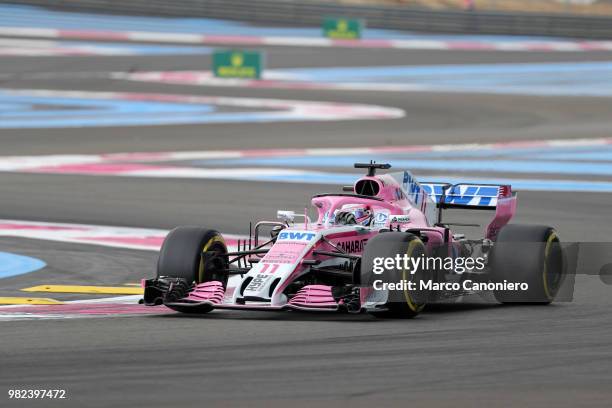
433	197
475	197
466	195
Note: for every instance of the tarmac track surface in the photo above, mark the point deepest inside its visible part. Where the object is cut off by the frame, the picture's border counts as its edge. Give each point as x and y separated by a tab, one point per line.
452	355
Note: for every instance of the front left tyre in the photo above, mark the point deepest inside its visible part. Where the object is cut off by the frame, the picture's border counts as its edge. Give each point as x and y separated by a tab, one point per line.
183	255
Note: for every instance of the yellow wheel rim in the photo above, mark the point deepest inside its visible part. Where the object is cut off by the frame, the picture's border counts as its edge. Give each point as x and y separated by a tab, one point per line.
409	301
549	241
209	243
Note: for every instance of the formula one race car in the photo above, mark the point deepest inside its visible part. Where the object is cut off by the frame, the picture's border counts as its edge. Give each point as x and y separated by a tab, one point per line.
379	247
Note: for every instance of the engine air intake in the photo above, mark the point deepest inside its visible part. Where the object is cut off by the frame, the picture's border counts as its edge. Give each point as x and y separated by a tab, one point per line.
367	187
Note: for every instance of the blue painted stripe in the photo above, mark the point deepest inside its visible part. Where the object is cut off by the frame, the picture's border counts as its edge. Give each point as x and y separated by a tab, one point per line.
83	112
167	118
568	78
505	166
522	152
49	111
573	152
433	71
70	107
605	154
13	264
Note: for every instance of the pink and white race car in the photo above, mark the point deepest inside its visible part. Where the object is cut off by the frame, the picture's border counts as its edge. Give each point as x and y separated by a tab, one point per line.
362	254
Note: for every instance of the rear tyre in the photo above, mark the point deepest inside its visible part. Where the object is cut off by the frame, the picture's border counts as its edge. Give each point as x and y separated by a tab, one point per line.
530	254
181	255
400	303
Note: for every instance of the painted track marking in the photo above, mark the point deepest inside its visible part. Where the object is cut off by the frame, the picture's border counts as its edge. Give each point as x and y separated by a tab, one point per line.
72	310
104	307
28	301
405	44
546	79
116	237
139	109
97	290
564	159
14	264
16	20
23	15
41	48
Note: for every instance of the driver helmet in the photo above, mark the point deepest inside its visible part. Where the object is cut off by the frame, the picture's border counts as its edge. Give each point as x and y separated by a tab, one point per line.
354	214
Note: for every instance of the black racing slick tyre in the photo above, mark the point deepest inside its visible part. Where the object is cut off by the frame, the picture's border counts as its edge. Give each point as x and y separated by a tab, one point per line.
181	255
530	254
400	303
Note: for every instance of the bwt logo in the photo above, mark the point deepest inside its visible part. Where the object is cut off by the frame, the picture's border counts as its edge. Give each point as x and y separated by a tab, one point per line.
412	188
464	195
296	236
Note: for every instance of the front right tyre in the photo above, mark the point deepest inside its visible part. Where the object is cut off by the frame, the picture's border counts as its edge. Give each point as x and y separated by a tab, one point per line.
404	303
